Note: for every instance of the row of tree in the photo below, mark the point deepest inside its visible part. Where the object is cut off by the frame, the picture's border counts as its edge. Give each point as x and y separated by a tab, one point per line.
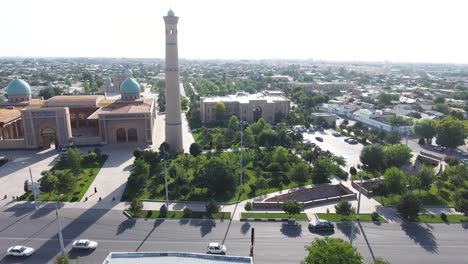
450	132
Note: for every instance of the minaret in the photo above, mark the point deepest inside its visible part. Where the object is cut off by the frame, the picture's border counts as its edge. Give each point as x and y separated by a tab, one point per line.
173	109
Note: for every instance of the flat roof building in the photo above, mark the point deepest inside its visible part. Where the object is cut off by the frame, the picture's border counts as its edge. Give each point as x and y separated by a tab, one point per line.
172	258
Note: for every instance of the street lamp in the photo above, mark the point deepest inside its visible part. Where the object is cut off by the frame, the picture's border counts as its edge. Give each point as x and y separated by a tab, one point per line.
241	123
59	226
359	198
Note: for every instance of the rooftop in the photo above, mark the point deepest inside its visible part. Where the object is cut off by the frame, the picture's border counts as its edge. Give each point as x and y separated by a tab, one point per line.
123	107
173	258
243	97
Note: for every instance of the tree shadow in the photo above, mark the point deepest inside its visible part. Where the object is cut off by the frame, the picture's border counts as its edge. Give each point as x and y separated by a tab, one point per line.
183	221
206	226
125	225
157	223
245	228
291	230
349	229
22	209
421	235
389	213
77	253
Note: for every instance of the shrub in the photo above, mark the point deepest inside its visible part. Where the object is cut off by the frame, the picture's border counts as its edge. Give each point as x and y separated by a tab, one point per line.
292	207
91	157
443	216
451	160
136	206
352	171
344	208
248	206
187	211
25	186
163	211
212	207
98	151
62	259
375	216
340	173
409	207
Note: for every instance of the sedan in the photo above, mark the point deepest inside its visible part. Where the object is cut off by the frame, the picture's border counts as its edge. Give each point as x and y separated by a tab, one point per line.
216	248
319	139
336	134
20	251
85	244
321	225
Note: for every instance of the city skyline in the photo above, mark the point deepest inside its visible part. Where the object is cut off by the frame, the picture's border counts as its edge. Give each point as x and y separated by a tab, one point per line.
419	31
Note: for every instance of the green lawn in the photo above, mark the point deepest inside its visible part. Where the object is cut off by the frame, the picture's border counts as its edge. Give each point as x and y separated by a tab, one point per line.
352	217
427	197
300	217
84	180
181	215
437	219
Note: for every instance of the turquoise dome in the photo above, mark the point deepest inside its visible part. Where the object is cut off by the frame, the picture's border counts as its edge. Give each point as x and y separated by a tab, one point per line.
129	86
170	13
18	87
128	73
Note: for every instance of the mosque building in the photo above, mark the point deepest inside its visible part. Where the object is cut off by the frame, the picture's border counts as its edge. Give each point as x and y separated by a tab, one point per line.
27	122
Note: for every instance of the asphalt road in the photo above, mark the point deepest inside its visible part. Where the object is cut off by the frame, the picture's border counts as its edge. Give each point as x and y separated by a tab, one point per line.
274	242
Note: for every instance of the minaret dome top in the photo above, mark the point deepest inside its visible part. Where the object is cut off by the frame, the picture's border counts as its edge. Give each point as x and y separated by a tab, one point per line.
170	13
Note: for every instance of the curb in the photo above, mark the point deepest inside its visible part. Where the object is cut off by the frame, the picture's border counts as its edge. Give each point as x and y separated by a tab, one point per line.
127	214
292	220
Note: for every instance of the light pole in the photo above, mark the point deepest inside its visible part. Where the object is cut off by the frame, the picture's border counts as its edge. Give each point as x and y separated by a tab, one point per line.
165	182
242	123
59	226
359	198
33	188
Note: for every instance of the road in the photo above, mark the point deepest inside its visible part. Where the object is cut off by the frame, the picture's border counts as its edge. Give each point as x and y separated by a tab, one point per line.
274	242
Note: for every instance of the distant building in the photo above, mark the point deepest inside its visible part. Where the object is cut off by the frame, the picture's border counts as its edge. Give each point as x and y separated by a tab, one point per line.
247	107
282	78
323	86
329	118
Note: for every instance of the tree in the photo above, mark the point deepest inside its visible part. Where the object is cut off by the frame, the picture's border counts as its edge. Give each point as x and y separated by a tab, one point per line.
220	112
299	173
461	200
184	103
66	182
457	114
396	155
372	156
409	207
451	132
386	98
136	206
393	180
439	100
442	108
74	159
352	171
381	261
281	156
212	207
332	250
291	207
163	211
233	129
425	128
426	176
195	149
62	259
216	176
344	208
48	182
394	137
321	169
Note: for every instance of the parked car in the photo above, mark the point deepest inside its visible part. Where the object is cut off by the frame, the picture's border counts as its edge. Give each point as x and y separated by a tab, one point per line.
20	251
216	248
319	139
464	161
353	141
85	244
63	151
321	225
336	134
439	148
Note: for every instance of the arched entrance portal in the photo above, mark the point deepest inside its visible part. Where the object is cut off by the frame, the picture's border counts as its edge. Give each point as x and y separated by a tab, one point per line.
132	135
121	135
257	113
49	137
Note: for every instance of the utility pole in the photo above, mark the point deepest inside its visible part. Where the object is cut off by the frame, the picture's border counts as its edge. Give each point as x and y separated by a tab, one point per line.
59	226
165	182
240	184
32	187
359	198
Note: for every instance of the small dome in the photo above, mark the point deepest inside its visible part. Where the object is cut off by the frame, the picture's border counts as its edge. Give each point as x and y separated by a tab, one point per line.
107	80
128	73
129	86
51	85
170	13
18	87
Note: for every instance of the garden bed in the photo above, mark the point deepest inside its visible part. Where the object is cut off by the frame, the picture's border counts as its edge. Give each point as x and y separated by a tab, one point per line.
352	217
299	217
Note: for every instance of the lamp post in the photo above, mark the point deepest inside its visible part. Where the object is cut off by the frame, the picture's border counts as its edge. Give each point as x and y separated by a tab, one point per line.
33	188
165	182
59	225
359	198
241	123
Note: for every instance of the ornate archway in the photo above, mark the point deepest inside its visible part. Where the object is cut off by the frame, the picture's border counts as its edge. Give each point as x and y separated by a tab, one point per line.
257	113
121	135
132	135
49	136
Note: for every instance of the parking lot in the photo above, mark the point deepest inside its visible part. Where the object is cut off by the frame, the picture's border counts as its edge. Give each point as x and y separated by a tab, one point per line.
336	145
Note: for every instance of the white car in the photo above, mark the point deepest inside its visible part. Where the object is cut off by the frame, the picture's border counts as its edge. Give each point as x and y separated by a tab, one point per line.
336	134
20	251
85	244
216	248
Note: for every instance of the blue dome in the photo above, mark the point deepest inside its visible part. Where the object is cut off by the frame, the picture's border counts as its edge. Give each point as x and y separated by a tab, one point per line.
170	13
128	73
129	86
18	87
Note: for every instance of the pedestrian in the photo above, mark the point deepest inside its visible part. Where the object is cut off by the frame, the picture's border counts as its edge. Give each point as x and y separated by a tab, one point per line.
95	190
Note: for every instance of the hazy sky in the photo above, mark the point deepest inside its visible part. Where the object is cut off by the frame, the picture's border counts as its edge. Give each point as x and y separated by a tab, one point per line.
363	30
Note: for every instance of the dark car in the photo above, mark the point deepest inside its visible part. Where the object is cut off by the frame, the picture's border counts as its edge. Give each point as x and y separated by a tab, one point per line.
321	225
319	139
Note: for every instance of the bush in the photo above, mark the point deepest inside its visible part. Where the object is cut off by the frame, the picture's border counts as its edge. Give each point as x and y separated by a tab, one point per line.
375	216
248	206
25	186
443	216
344	208
163	211
212	207
421	141
352	171
292	207
98	151
91	157
187	211
62	259
136	206
340	173
409	207
451	160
